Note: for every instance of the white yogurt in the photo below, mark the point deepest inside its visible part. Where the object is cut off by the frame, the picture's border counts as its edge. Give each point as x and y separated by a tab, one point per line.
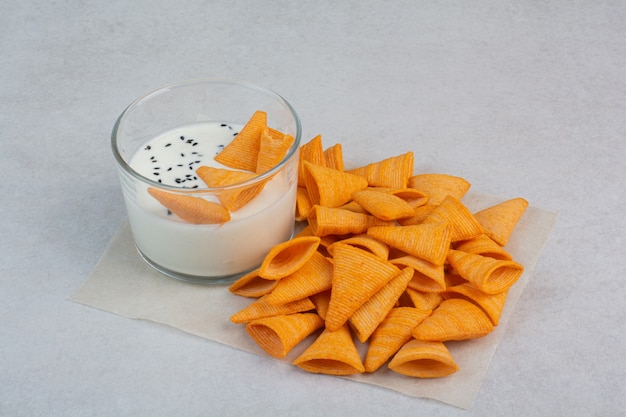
224	250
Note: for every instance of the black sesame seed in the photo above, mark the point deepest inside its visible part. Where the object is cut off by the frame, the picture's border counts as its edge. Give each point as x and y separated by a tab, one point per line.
148	147
169	144
160	180
223	125
182	138
179	165
182	154
194	144
152	157
169	169
155	173
169	213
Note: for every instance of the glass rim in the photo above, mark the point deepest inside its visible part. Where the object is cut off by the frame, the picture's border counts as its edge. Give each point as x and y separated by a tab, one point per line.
226	81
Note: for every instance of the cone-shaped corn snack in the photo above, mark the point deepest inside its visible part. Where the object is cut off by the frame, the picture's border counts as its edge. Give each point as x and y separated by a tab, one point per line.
277	335
243	151
333	353
423	359
273	147
439	186
391	335
428	241
312	277
487	274
383	205
500	220
333	157
252	285
191	209
330	187
312	152
454	319
357	276
392	172
287	257
261	308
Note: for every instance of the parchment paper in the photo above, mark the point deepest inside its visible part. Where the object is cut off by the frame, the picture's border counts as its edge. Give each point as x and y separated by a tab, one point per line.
122	283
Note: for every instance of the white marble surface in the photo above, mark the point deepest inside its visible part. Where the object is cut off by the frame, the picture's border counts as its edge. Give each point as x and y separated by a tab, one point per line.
522	98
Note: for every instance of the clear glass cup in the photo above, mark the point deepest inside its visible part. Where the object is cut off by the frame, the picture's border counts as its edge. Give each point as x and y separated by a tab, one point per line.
187	111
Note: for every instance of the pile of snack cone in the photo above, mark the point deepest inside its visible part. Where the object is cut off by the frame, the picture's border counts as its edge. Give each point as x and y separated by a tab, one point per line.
393	259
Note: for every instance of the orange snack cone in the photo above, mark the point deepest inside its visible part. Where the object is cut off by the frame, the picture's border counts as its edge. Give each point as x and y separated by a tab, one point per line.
385	206
367	317
261	308
424	300
427	276
492	304
484	245
391	335
326	221
277	335
273	147
487	274
422	359
312	152
236	198
332	353
500	220
287	257
252	285
191	209
357	276
392	172
312	277
333	157
429	242
243	151
330	187
463	224
454	319
303	204
439	186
